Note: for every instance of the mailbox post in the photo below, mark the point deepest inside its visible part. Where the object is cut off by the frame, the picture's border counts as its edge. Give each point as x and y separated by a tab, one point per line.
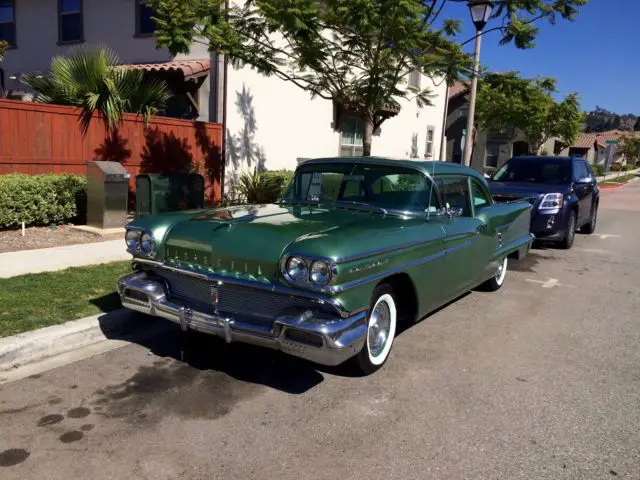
107	194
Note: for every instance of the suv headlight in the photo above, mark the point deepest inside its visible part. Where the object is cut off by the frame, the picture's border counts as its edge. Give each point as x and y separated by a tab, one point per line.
132	237
552	200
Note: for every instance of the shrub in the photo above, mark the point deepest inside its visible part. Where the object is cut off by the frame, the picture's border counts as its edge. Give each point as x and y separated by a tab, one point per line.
490	170
598	170
281	177
616	167
258	188
41	199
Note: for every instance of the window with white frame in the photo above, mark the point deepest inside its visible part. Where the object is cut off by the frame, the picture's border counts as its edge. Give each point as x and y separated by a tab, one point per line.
414	79
351	134
8	22
70	29
431	135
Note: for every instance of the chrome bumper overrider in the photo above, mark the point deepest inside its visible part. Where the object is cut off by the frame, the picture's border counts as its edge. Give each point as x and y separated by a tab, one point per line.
305	334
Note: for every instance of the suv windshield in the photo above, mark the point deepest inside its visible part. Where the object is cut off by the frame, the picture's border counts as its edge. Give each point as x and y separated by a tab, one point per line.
381	186
554	171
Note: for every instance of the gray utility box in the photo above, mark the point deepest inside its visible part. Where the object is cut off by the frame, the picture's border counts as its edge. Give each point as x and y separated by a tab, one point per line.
107	194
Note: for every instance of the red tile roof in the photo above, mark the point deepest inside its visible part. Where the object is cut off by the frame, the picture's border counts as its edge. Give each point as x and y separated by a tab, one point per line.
457	89
587	140
187	67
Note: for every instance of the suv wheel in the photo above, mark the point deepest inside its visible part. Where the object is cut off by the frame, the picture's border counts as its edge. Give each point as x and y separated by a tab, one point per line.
590	227
570	234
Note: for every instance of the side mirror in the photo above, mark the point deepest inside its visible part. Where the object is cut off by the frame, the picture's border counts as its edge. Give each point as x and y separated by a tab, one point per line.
448	213
585	181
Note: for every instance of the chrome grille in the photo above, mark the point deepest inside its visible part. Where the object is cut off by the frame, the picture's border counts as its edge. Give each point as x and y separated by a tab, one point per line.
237	300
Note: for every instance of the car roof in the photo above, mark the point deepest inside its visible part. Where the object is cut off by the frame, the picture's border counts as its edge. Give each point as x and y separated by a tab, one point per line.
547	157
430	168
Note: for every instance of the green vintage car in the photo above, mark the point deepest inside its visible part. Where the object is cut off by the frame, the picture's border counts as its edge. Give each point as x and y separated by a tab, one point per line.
355	247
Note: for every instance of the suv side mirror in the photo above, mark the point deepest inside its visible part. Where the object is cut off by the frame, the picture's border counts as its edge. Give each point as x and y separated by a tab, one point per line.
585	181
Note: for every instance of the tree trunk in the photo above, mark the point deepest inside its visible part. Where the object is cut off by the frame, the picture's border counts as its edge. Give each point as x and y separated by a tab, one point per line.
367	136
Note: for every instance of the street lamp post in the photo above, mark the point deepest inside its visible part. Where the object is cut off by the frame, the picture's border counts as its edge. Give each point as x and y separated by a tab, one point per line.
480	13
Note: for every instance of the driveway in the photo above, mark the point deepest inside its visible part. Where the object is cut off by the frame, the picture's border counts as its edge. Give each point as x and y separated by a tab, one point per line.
538	380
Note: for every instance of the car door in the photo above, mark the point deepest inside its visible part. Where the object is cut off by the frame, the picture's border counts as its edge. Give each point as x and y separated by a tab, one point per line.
491	236
465	252
583	190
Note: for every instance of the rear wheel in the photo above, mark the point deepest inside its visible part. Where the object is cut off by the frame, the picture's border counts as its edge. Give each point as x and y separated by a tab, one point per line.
570	234
495	282
590	227
382	322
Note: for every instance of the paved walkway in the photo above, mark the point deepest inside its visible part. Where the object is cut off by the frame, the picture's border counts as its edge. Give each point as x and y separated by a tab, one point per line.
58	258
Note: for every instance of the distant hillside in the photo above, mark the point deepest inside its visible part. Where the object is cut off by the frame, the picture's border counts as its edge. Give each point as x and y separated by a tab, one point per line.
601	120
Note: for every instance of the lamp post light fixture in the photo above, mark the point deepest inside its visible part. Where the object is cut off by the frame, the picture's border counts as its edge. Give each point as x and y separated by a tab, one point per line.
480	14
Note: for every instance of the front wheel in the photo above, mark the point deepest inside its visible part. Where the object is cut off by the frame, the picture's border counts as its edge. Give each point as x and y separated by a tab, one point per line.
570	234
495	282
381	331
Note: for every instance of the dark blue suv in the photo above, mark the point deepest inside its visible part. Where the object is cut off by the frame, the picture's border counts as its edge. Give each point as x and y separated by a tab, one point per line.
562	190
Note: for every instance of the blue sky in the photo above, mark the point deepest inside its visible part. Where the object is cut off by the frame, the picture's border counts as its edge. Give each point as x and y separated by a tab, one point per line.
597	56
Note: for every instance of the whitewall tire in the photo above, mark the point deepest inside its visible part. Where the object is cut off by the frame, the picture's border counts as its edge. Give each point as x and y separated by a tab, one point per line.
495	282
381	331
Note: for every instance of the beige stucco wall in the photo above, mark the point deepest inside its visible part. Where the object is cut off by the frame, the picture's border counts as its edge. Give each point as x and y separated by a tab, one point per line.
290	125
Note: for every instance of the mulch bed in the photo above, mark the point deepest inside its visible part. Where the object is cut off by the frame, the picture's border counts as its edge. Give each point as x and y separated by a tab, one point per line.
45	237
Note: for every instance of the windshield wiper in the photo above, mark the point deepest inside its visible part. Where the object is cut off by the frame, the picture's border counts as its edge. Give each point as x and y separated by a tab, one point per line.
368	206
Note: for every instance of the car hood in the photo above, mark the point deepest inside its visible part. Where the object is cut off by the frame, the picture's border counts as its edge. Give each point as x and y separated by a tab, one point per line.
251	240
516	190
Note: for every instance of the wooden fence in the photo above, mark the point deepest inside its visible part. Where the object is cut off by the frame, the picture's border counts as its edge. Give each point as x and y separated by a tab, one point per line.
39	138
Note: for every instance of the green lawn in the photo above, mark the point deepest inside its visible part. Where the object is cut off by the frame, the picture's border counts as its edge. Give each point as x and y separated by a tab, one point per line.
618	180
38	300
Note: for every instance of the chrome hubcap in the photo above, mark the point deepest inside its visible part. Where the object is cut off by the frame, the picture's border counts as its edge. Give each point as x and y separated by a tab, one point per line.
379	326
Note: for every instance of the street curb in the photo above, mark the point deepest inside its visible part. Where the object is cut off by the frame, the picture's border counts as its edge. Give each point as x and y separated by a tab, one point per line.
44	343
616	187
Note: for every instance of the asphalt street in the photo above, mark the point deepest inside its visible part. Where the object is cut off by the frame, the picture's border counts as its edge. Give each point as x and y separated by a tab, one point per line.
538	380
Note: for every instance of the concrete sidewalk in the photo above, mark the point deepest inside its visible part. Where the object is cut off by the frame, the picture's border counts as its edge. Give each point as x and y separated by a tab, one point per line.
58	258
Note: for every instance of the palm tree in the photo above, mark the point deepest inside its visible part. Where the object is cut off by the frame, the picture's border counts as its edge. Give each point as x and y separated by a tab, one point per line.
93	80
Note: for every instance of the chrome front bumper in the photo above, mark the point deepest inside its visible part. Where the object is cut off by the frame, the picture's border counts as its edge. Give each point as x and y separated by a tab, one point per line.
304	334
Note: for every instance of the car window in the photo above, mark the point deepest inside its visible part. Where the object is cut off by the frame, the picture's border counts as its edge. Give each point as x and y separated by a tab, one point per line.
478	196
455	192
582	170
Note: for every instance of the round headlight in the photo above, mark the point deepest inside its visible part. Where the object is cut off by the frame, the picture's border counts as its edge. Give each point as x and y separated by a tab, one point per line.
297	269
146	242
320	272
132	237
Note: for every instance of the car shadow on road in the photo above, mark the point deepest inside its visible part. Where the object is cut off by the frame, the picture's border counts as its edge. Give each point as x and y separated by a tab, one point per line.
202	352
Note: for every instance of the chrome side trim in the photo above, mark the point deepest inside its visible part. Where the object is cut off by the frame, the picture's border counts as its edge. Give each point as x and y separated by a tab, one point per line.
339	338
514	245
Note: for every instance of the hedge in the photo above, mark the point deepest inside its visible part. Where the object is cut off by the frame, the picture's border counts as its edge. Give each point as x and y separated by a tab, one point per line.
41	199
281	177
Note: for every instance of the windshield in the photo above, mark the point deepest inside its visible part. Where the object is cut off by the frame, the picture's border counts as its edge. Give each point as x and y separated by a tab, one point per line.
387	187
535	170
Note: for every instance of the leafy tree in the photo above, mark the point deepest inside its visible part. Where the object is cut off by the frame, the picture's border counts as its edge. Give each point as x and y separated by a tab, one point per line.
92	80
507	101
629	146
636	127
356	53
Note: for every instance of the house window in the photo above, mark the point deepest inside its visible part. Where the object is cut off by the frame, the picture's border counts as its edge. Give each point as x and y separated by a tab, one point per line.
8	22
493	151
414	79
144	23
70	28
351	133
431	133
